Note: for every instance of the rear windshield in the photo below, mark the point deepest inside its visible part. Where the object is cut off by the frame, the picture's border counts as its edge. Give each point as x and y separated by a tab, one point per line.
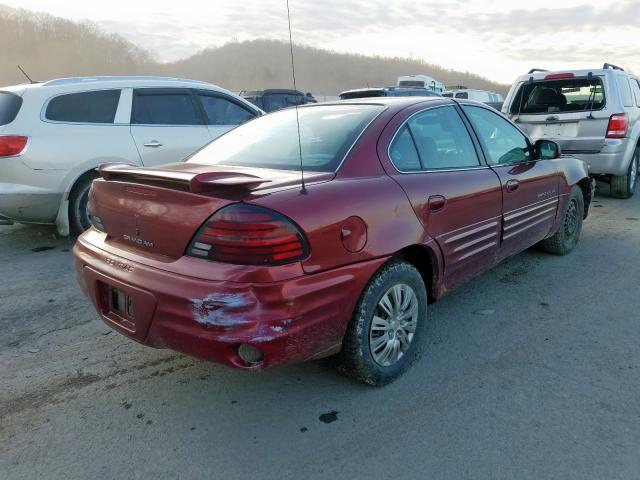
363	94
411	83
9	107
327	132
566	95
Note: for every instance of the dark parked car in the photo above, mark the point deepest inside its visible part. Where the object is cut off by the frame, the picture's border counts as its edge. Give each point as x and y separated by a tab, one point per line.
226	257
387	92
276	98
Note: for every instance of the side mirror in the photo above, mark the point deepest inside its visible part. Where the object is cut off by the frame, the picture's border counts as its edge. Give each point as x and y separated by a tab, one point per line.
546	150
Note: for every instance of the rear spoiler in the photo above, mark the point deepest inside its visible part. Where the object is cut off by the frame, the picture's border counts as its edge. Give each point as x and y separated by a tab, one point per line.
205	182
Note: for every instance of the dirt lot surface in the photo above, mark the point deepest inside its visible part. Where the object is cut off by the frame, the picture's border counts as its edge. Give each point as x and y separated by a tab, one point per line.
531	371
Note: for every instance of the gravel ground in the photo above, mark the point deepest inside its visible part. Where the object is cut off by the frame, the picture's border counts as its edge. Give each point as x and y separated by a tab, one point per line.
532	371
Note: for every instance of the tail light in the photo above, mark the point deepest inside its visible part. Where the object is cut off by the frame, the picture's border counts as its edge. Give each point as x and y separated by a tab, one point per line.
249	235
12	145
618	125
94	219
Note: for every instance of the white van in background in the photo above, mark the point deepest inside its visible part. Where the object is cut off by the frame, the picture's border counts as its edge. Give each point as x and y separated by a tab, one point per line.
420	81
53	135
492	99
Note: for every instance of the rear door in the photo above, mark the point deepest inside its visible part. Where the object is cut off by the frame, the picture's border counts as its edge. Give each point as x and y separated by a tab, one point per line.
167	124
457	199
222	113
529	186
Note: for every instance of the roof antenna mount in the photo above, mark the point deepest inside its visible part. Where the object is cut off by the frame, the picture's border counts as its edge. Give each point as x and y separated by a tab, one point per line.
25	74
303	188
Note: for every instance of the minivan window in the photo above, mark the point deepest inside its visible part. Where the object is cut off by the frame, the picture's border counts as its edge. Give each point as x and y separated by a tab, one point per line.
164	108
625	90
10	104
327	132
84	107
565	95
220	111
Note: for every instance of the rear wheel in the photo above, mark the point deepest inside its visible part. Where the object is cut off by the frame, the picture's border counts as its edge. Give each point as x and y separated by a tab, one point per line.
385	334
567	236
78	199
624	186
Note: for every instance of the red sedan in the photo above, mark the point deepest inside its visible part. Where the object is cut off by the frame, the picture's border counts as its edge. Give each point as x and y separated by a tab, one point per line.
229	257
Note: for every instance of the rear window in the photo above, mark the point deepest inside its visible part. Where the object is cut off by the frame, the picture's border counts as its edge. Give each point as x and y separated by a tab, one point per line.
411	83
363	94
221	111
566	95
278	101
84	107
9	107
164	108
462	95
327	132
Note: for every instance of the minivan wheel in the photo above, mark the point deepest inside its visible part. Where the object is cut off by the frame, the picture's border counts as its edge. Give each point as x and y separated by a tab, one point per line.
567	236
78	199
386	331
624	186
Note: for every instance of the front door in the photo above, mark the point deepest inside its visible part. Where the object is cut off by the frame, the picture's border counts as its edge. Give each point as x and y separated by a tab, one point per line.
167	125
529	186
457	199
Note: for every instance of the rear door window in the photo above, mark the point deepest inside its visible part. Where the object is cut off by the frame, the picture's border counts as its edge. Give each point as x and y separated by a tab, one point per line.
164	107
222	111
565	95
10	104
635	86
84	107
441	141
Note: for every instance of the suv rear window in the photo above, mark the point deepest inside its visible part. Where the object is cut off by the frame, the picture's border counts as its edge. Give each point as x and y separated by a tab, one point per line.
10	104
84	107
566	95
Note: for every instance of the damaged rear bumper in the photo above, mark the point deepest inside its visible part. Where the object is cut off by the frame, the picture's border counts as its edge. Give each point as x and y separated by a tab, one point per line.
291	320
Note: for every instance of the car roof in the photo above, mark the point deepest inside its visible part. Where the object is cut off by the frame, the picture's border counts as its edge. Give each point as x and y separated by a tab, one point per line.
540	75
271	90
90	83
394	103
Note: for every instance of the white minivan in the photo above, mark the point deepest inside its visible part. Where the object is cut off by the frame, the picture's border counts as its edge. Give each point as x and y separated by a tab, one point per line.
53	135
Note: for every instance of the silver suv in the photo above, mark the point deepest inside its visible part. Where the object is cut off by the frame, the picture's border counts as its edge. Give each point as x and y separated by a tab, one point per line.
592	114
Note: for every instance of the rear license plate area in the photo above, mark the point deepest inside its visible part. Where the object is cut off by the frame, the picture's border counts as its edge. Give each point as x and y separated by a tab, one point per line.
121	303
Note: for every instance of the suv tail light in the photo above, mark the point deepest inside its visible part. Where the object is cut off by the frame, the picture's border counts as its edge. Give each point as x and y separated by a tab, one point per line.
12	145
618	125
249	235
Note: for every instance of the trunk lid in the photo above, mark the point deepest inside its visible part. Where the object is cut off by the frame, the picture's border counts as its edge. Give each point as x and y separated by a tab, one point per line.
157	211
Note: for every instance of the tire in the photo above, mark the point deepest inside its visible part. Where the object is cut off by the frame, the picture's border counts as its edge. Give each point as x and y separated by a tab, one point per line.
624	186
566	238
376	353
78	215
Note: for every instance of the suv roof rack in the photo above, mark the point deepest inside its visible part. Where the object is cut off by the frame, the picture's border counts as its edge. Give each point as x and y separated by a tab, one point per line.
74	80
534	70
456	87
611	65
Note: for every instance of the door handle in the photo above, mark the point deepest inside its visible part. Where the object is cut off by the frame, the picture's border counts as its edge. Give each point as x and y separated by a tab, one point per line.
513	185
153	144
436	203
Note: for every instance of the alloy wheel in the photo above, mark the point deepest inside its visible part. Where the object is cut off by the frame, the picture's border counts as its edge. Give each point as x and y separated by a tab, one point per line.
393	326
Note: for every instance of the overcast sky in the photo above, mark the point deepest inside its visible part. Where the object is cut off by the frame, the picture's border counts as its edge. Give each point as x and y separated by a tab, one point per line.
498	39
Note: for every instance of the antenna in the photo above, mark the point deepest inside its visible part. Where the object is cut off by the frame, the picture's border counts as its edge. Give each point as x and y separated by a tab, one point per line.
303	189
25	74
